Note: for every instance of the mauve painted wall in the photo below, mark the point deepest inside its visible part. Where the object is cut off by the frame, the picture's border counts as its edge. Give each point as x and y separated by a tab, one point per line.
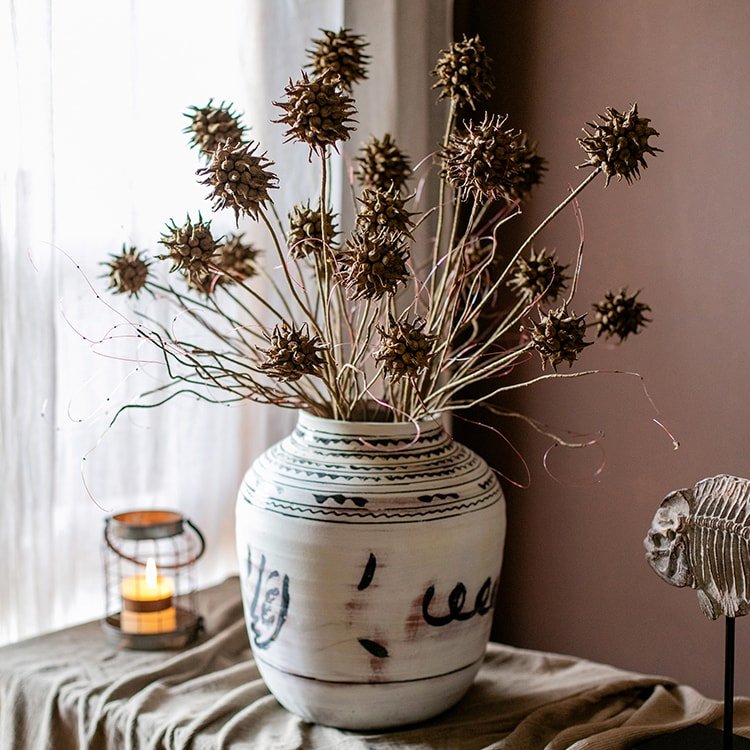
575	579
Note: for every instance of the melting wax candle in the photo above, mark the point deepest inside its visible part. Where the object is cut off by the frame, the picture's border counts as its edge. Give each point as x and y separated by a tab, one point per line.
147	605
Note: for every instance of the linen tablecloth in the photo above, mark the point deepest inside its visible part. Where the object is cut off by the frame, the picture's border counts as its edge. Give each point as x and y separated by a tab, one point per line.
72	689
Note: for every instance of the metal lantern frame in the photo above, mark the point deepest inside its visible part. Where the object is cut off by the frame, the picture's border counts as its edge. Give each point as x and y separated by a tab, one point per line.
131	540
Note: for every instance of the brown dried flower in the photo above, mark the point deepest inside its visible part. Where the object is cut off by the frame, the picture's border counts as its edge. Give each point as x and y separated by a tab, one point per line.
234	261
292	353
405	349
237	258
128	271
382	163
619	143
558	337
306	227
485	159
210	126
531	168
317	112
191	248
341	54
540	277
464	72
373	265
383	209
620	314
239	179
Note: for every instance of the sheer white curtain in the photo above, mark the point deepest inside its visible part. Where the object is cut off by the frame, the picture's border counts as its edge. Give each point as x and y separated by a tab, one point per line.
93	157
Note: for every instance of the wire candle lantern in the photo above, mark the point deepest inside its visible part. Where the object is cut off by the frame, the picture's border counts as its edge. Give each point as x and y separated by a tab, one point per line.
149	578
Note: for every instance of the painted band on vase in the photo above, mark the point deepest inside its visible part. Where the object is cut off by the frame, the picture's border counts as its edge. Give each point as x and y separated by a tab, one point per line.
370	554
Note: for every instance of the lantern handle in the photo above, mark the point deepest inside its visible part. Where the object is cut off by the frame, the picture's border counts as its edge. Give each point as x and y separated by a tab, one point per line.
165	566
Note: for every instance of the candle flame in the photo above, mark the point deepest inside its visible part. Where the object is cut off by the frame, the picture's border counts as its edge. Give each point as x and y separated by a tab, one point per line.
152	573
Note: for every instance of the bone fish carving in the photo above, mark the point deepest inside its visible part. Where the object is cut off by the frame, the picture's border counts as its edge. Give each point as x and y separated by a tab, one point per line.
700	537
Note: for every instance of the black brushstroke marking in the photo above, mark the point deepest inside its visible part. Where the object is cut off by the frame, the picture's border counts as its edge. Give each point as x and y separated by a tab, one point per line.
430	498
487	482
376	649
456	602
368	573
360	502
274	605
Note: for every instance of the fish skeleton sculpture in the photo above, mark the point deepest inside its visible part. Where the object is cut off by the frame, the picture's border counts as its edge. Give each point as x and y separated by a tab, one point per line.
700	537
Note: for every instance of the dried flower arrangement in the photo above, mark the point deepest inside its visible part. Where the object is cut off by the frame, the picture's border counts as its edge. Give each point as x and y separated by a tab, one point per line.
355	321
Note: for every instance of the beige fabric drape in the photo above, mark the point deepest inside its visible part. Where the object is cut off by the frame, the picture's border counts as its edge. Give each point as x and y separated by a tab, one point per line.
74	691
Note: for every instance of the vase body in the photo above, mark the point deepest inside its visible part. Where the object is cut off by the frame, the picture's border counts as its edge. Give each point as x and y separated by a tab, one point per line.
369	557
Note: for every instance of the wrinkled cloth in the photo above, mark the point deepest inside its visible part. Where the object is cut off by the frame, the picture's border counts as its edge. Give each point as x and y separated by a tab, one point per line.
73	689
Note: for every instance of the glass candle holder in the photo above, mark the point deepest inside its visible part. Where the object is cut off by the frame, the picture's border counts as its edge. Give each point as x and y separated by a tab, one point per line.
149	578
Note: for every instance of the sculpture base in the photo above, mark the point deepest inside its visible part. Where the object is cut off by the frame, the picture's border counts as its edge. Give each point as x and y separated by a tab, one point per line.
696	737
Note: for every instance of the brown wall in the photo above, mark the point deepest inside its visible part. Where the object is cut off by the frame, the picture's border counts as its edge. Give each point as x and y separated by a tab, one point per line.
575	579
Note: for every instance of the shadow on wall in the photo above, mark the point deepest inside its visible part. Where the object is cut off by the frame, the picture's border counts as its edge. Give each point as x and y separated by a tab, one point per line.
575	579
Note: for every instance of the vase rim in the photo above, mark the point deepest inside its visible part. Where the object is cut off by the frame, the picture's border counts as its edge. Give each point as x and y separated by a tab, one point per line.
312	421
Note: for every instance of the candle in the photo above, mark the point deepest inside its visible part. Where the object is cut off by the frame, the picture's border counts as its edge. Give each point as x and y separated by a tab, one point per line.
147	605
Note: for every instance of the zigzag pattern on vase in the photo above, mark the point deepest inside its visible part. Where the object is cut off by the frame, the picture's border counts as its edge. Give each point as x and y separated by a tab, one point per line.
416	514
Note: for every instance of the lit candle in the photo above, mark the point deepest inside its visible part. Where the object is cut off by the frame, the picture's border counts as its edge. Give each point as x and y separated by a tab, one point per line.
147	605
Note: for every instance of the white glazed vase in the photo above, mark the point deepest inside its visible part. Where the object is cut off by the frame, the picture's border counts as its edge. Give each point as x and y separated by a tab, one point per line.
369	556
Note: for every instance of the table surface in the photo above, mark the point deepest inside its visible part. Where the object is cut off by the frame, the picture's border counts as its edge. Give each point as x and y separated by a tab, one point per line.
73	689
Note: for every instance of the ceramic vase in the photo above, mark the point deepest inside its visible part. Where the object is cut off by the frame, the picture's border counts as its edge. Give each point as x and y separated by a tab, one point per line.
369	556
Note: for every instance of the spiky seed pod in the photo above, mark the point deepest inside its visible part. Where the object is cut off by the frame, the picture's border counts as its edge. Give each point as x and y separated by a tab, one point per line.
382	163
619	143
372	265
127	271
191	248
531	169
292	353
317	112
540	277
405	349
485	160
620	314
383	209
210	126
341	54
238	178
464	72
233	261
238	259
558	337
306	227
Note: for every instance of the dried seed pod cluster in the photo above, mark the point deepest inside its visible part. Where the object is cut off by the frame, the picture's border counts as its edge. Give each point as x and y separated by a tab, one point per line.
340	53
292	353
381	164
210	126
190	247
127	271
307	229
559	337
373	265
620	314
464	73
405	349
238	178
485	160
365	314
619	143
383	209
317	112
540	277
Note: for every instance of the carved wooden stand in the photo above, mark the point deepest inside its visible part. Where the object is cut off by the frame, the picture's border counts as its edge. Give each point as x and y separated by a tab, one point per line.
698	736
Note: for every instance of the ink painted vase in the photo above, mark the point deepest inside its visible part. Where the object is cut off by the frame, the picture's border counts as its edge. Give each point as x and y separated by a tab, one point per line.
369	556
